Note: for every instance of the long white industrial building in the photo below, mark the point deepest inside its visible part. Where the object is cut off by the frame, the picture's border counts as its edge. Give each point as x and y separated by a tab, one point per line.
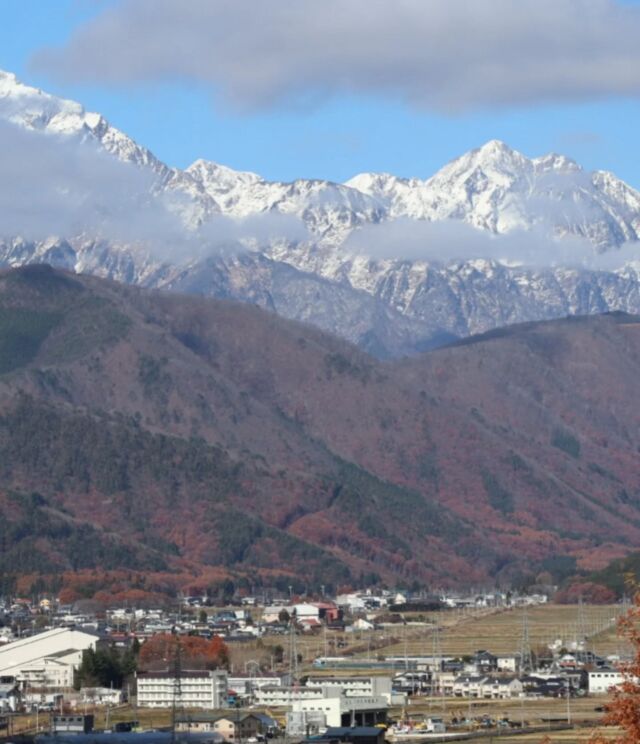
46	660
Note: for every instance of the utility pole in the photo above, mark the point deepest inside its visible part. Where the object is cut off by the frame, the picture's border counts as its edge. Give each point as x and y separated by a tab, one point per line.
293	652
238	731
177	688
526	662
406	658
436	652
582	633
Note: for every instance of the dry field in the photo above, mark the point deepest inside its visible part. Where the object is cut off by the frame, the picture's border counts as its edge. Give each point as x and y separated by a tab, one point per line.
459	633
501	631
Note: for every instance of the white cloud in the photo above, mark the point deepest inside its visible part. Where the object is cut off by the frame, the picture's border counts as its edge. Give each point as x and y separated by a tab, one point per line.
58	186
449	55
451	240
52	185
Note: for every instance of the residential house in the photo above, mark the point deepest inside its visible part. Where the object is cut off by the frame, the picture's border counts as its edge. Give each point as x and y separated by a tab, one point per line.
231	726
501	688
470	685
508	663
545	686
412	682
485	662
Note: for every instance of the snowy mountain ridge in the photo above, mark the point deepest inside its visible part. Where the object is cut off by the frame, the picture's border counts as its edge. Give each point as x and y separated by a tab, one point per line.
390	305
37	110
497	189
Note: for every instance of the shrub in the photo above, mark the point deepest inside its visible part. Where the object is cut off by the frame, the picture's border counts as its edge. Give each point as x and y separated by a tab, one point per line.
565	441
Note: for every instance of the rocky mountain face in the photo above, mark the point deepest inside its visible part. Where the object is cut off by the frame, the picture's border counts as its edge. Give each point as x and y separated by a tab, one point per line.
394	265
195	440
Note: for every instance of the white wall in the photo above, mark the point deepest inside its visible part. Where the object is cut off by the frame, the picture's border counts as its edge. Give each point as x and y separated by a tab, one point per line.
26	652
601	681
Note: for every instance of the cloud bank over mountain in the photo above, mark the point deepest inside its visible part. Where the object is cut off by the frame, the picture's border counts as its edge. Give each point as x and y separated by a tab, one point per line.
450	240
445	55
492	238
54	185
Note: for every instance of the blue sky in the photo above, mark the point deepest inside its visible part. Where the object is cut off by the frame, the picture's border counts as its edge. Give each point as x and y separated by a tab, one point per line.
335	137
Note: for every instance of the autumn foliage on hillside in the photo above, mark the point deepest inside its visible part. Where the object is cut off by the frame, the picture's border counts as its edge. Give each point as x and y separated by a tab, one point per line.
167	651
624	709
588	591
293	458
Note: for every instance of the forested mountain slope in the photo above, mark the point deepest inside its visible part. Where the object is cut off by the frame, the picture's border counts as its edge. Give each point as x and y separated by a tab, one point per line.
201	439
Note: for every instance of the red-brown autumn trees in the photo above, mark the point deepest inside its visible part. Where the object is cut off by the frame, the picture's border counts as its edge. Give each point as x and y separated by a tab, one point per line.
167	651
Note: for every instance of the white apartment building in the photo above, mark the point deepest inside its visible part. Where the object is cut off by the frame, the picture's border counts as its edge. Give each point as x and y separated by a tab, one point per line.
320	688
194	689
354	685
281	696
248	685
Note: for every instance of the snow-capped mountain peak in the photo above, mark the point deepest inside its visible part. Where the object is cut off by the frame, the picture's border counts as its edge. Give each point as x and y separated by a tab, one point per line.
370	183
222	184
493	188
494	164
493	154
497	188
208	171
554	162
34	109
